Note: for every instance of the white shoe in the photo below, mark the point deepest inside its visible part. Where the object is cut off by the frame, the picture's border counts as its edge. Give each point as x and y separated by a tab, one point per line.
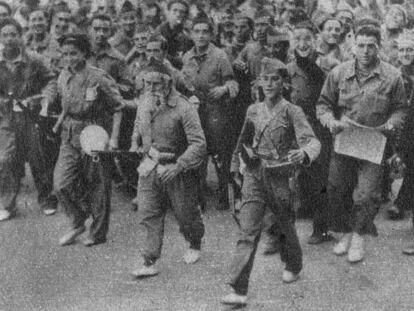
49	211
289	277
341	248
145	271
4	215
71	236
192	256
356	251
234	299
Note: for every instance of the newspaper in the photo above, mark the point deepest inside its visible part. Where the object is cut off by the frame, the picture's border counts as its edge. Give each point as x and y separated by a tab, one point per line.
361	142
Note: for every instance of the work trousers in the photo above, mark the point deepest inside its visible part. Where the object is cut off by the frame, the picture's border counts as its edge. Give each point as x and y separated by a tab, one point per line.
31	144
353	194
83	187
181	192
263	189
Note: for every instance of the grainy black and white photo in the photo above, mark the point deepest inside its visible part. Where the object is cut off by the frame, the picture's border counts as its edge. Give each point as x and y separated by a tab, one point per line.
206	155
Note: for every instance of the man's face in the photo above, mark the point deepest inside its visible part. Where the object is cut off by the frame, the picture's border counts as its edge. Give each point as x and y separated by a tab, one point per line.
276	47
3	13
10	37
394	19
201	35
128	21
154	50
260	27
227	22
155	86
61	23
150	14
406	53
366	49
100	31
37	22
141	40
272	85
241	30
346	19
303	42
331	31
72	56
85	4
177	14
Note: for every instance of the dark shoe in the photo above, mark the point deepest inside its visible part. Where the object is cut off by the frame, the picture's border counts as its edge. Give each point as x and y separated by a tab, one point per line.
88	242
223	206
316	238
408	250
394	213
71	236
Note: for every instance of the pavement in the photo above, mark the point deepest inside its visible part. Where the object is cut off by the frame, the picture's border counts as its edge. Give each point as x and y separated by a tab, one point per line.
37	274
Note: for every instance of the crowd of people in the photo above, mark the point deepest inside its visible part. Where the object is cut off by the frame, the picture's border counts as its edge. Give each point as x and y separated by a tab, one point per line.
261	88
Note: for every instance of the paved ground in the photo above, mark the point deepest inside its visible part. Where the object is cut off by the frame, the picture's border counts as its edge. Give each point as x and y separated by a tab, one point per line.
37	274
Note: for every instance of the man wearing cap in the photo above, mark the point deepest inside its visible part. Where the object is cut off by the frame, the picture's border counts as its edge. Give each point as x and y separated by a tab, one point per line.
209	71
123	39
275	140
168	134
243	30
89	96
369	92
173	31
250	57
24	83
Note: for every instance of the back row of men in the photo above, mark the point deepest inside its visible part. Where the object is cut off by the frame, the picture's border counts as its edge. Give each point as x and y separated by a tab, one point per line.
263	98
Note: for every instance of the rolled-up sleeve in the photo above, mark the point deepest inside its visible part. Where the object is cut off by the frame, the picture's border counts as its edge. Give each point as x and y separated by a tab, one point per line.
328	99
399	101
110	89
305	136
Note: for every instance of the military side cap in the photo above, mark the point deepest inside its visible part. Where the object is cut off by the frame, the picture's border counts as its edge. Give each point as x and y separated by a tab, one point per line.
370	22
272	65
155	65
279	34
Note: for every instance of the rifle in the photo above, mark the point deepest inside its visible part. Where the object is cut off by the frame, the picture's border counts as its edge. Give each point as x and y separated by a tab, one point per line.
96	154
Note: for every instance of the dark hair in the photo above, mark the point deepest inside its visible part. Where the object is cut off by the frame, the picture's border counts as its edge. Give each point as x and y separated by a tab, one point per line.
101	17
184	3
250	22
369	31
6	6
160	39
203	20
11	21
80	41
330	19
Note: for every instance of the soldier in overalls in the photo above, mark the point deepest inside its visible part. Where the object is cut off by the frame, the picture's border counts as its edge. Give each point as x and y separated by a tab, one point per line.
276	138
168	134
89	96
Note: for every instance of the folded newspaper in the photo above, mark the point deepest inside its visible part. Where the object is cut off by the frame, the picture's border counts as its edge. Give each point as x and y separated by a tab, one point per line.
361	142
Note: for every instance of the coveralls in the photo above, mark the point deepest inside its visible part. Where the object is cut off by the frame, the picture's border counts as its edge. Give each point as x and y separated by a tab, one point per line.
372	101
172	128
83	186
272	134
21	139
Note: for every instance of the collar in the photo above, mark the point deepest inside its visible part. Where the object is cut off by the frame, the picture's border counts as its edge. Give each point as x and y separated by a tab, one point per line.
108	50
350	71
173	98
207	52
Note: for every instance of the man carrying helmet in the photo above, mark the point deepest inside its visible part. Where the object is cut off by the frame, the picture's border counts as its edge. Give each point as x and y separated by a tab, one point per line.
168	134
89	96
